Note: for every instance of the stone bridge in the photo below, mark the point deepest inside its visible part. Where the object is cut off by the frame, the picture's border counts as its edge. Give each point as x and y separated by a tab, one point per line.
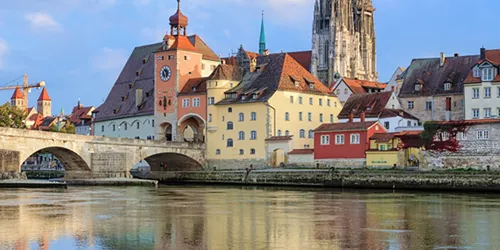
96	157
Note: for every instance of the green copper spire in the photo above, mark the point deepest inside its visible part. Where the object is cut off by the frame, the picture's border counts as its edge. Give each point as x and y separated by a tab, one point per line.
262	41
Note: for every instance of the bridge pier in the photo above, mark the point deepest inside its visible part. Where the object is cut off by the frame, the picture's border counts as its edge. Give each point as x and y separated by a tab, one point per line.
104	165
9	163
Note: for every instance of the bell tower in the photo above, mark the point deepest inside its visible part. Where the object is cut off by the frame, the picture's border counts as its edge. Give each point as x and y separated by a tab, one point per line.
44	104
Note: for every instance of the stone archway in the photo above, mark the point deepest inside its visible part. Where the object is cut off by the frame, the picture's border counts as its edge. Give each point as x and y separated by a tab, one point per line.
167	129
172	162
191	128
71	160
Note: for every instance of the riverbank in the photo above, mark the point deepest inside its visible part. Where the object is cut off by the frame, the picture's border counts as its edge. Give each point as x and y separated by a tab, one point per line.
112	182
32	184
372	179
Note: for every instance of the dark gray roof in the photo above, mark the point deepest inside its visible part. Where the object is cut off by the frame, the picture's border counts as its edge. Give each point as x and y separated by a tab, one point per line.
432	76
120	102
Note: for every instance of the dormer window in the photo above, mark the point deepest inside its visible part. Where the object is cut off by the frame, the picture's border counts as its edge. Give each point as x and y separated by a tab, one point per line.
255	96
476	72
447	86
418	86
194	88
487	74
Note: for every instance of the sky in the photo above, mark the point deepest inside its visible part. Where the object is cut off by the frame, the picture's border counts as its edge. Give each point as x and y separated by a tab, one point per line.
79	47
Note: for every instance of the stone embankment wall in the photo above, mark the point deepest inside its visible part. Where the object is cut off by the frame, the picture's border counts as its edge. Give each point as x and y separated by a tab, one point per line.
13	176
435	180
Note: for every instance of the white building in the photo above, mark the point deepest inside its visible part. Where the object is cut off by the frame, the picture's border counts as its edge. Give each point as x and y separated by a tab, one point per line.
392	85
345	87
482	87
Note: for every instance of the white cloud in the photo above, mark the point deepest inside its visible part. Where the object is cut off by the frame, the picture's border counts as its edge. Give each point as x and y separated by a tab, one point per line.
110	60
41	20
3	51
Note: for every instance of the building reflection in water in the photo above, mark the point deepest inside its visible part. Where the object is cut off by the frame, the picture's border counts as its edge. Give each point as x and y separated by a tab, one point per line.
244	218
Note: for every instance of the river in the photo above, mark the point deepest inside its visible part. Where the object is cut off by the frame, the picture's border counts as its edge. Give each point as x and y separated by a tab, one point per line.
196	217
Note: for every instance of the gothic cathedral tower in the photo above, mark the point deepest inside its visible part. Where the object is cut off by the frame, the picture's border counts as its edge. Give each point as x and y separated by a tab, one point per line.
344	40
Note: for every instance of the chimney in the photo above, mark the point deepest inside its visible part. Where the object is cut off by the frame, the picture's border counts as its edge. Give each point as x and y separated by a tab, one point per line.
266	52
253	65
457	55
363	116
138	97
351	117
79	104
483	53
443	59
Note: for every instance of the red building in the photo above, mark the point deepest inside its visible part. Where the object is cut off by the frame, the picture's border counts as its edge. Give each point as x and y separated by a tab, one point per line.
344	144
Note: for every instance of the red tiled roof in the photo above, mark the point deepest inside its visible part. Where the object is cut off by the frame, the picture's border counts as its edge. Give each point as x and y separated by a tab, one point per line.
304	151
383	137
195	86
226	72
232	61
348	126
280	138
360	86
17	94
303	58
80	113
180	43
44	96
396	112
372	104
251	55
203	48
493	57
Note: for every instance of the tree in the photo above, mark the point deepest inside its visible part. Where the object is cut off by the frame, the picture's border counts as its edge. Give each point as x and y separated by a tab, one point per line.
12	117
53	128
70	128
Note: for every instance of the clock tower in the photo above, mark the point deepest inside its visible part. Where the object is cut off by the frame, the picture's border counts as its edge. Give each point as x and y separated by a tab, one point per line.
176	62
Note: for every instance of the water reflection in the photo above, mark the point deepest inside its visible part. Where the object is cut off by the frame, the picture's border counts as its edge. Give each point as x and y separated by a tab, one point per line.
245	218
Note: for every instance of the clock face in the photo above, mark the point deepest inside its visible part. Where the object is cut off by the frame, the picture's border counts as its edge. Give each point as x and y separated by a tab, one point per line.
165	73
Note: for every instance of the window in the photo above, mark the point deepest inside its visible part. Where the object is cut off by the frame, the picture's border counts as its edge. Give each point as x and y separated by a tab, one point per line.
291	99
309	116
320	117
202	66
408	123
320	102
252	151
335	104
476	72
339	139
302	133
300	99
138	125
196	102
300	116
242	152
447	86
230	126
253	116
102	128
209	117
211	100
487	74
338	91
428	105
382	147
418	86
230	110
152	123
498	112
222	118
287	116
475	113
355	138
310	101
387	125
287	133
461	136
253	135
241	135
346	92
487	92
114	127
241	117
311	134
185	102
125	126
230	143
217	152
411	105
483	135
279	132
498	90
325	140
331	118
487	112
328	103
170	57
475	93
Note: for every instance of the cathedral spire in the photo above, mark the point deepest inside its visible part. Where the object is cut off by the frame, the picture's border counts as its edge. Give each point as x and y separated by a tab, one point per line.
262	41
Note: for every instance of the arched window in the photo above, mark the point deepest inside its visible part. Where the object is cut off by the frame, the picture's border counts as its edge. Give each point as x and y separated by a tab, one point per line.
230	126
241	135
279	132
230	143
327	51
302	133
311	134
242	152
287	116
253	116
230	110
253	135
241	117
252	151
217	152
287	133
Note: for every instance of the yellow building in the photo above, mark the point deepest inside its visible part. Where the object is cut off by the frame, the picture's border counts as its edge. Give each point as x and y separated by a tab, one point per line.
256	115
388	150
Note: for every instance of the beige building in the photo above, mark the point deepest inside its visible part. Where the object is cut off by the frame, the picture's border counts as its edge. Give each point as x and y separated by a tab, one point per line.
258	116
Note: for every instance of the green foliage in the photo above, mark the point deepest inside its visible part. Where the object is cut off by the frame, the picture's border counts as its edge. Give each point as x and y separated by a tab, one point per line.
53	128
67	128
12	117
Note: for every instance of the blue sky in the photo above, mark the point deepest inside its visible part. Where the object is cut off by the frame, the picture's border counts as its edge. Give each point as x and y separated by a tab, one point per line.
80	46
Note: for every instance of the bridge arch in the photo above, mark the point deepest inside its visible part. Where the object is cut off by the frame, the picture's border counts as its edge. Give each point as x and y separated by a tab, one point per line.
191	127
172	162
71	160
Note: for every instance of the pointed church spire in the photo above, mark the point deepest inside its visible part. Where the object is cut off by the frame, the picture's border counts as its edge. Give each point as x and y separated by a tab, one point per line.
262	41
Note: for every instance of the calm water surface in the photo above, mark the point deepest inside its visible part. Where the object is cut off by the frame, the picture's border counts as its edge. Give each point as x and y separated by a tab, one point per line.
180	217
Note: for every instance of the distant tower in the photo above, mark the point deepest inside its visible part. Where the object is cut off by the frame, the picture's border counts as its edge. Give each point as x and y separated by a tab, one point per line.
17	99
344	41
262	41
44	107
